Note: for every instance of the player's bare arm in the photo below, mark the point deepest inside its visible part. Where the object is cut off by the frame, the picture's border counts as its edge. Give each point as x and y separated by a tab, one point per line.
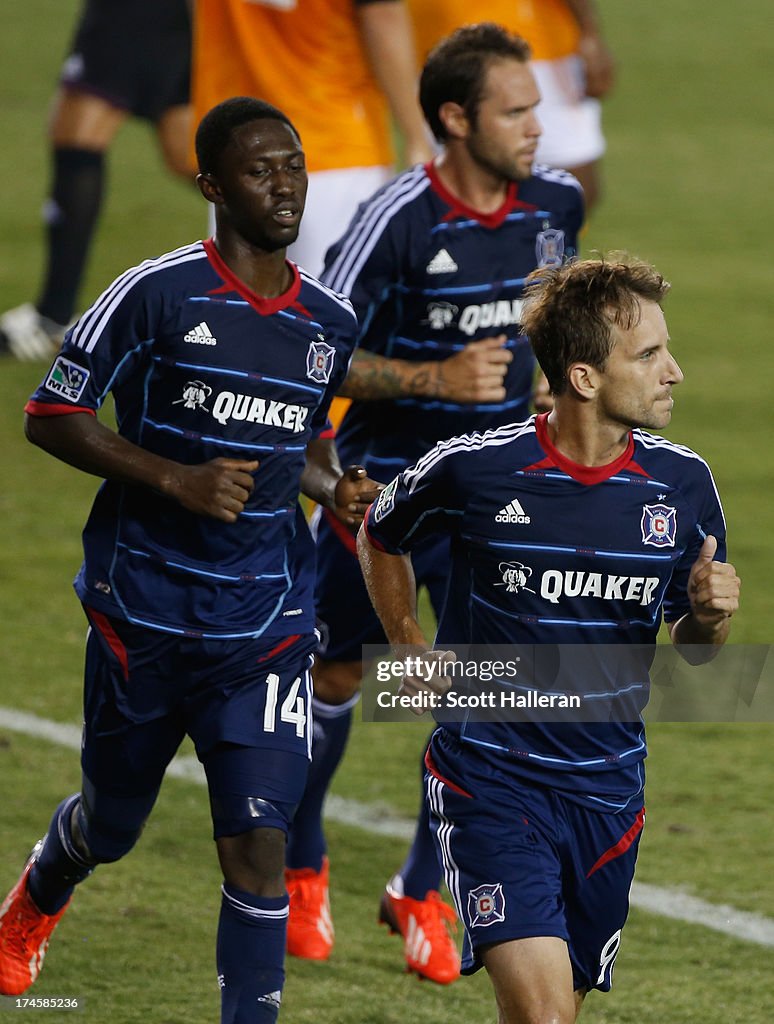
388	42
393	592
217	489
713	590
347	493
598	61
475	374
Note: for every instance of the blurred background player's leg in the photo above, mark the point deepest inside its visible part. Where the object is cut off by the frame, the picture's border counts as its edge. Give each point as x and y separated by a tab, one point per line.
126	61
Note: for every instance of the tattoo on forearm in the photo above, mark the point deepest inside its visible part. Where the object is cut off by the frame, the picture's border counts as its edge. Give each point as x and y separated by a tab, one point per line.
372	377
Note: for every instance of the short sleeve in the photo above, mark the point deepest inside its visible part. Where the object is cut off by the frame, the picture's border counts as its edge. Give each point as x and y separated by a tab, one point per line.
422	500
709	520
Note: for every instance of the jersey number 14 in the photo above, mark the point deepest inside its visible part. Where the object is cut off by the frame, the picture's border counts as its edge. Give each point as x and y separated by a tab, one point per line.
292	711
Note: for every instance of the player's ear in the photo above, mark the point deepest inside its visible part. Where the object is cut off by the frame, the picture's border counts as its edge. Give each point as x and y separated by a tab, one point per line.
583	381
209	188
454	119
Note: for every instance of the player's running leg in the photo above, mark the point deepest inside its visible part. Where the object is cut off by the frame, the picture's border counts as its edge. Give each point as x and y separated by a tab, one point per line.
310	928
411	903
253	793
412	906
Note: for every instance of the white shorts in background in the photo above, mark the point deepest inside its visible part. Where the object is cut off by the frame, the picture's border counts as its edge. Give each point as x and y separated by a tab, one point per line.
331	202
572	122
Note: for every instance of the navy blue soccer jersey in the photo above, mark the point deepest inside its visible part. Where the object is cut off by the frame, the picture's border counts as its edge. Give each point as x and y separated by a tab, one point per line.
545	551
428	275
199	368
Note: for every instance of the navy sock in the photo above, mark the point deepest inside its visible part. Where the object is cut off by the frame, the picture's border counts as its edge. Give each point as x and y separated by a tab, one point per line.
421	870
251	956
71	215
59	866
306	842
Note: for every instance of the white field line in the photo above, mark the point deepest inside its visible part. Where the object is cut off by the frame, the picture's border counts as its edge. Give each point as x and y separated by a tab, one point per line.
372	818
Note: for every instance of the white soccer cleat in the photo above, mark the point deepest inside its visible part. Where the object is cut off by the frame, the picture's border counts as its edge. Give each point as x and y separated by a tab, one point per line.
27	335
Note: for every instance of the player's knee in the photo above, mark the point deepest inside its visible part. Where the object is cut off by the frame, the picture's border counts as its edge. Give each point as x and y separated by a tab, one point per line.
254	861
103	841
336	682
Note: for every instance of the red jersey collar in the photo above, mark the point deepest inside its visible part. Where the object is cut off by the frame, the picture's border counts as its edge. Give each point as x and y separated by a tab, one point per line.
459	209
583	474
263	305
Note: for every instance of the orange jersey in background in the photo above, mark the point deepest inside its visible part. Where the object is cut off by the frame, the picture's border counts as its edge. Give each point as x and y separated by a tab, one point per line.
305	57
549	26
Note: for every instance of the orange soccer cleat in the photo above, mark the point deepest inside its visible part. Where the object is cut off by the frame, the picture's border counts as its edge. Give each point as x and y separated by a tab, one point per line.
426	926
310	927
24	935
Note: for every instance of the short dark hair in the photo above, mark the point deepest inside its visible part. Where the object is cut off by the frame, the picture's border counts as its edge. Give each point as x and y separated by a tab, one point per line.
218	125
455	69
569	310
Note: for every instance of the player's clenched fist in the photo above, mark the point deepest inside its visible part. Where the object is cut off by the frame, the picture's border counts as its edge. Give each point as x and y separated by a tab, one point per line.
477	373
354	492
219	488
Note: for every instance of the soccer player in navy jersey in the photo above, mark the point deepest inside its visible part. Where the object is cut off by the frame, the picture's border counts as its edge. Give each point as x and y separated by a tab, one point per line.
435	264
222	358
573	527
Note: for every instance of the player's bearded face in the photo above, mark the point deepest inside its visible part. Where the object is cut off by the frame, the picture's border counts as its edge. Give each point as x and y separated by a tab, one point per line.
504	135
640	374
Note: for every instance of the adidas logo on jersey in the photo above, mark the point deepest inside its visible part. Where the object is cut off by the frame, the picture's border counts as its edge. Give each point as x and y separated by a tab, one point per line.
200	335
512	513
441	263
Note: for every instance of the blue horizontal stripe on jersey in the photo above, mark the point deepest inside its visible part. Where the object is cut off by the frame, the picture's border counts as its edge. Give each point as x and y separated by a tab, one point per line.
257	514
305	319
465	406
585	623
638	481
242	577
224	441
200	633
452	225
471	289
242	374
617	693
448	346
220	302
384	461
570	550
590	763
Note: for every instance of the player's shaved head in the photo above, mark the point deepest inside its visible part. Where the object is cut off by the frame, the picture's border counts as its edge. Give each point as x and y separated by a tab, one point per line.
218	125
569	311
455	70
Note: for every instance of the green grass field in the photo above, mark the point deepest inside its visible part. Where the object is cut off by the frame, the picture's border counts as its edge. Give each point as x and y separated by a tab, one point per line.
689	141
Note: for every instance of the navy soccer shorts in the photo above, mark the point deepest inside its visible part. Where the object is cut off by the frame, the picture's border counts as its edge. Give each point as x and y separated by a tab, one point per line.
521	861
345	616
246	704
136	55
